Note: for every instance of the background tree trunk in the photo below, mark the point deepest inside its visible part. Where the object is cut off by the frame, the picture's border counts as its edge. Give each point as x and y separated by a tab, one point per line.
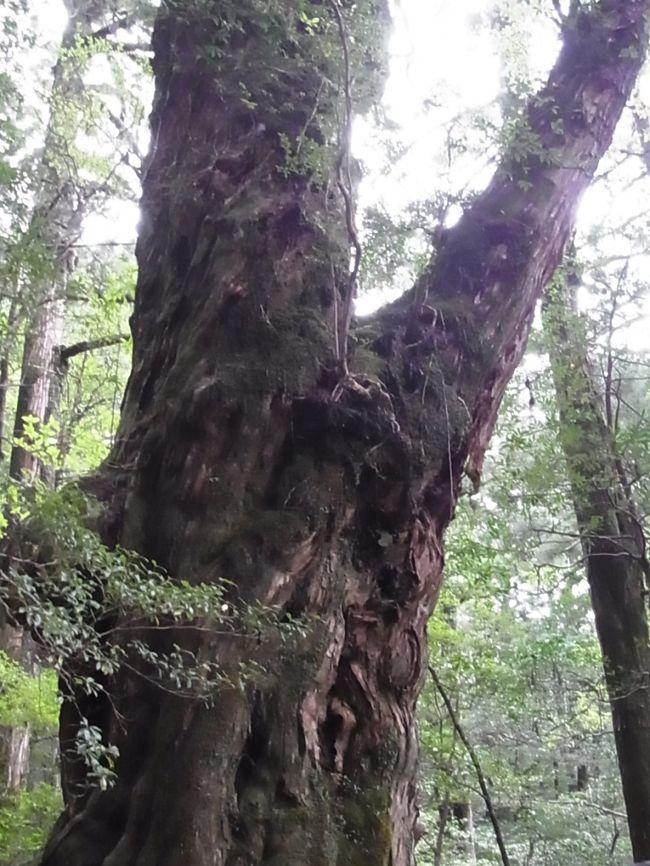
614	549
13	323
15	740
55	226
242	452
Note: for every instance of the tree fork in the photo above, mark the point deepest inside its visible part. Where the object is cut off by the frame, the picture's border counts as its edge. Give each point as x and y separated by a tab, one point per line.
233	460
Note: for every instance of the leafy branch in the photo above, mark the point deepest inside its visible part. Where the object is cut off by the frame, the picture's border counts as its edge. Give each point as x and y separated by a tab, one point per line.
93	611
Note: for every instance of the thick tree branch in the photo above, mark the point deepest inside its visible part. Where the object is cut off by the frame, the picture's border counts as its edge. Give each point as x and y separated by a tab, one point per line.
68	352
113	27
132	47
561	17
476	299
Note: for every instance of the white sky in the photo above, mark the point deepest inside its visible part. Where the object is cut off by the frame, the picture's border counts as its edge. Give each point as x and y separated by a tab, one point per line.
434	46
434	50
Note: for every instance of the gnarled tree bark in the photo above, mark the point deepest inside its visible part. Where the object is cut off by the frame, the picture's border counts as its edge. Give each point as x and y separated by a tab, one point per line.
243	454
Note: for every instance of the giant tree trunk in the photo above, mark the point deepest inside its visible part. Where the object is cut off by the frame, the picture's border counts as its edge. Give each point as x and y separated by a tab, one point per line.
243	454
614	548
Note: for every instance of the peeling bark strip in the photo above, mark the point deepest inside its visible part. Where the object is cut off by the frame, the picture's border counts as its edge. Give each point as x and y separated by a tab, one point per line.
614	548
233	459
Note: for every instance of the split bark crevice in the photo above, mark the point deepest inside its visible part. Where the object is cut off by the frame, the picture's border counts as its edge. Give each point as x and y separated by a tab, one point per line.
232	460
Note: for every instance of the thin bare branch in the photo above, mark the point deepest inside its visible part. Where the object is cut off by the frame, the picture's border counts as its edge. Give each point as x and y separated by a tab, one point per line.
485	791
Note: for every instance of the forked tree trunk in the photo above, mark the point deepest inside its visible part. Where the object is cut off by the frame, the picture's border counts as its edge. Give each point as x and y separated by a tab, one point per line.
242	454
614	549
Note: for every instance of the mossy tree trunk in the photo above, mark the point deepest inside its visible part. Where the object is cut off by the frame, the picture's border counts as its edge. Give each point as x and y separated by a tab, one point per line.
245	453
614	549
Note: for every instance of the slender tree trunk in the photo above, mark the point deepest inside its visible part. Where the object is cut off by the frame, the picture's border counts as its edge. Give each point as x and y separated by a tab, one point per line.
443	820
243	453
15	740
614	549
13	322
18	758
471	836
54	228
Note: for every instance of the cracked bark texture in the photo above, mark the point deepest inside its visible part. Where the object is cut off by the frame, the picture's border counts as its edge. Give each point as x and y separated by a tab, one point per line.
614	550
234	460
